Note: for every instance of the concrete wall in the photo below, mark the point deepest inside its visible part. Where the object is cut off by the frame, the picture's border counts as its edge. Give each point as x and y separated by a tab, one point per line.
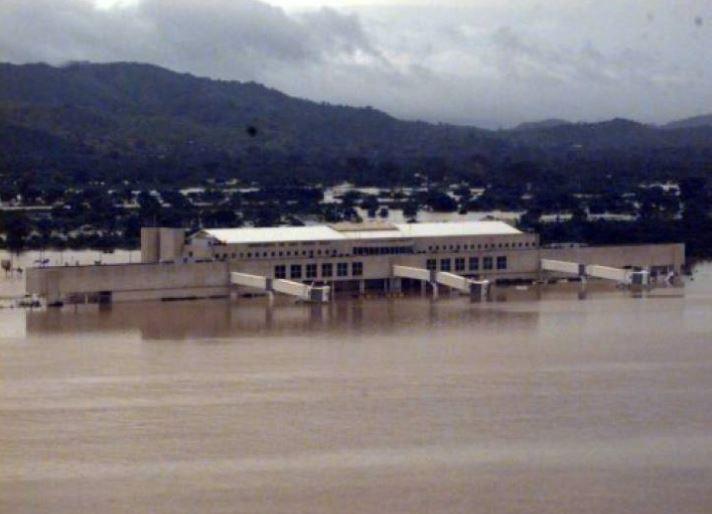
172	241
162	244
131	281
150	244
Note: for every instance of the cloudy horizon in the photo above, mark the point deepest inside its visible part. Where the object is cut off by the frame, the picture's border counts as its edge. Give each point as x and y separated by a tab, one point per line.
482	62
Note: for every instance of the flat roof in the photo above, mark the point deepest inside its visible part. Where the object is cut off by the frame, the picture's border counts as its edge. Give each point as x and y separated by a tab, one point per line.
318	233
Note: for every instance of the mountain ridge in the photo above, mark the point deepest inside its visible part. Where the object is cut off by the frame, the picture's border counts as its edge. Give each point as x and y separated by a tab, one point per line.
113	115
704	120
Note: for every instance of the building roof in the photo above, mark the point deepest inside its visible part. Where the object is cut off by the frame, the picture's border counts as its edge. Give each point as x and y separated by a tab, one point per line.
335	233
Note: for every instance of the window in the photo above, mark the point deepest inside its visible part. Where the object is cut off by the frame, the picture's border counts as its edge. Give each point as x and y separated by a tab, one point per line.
311	270
295	271
280	271
487	263
357	269
327	269
444	264
431	264
502	262
342	269
382	250
459	264
474	263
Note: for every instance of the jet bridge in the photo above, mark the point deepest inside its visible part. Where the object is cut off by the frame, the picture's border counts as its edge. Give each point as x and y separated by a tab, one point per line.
620	275
477	289
316	294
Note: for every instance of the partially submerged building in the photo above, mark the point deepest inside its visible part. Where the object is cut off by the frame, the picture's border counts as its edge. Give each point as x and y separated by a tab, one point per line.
344	257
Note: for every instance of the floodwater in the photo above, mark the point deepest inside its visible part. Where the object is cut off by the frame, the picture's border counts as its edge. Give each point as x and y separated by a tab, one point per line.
538	402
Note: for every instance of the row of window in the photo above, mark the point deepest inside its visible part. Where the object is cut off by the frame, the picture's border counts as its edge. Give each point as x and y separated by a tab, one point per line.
382	250
287	253
310	270
473	264
481	246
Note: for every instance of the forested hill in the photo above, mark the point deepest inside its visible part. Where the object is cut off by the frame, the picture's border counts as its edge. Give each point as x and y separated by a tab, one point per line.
125	106
138	122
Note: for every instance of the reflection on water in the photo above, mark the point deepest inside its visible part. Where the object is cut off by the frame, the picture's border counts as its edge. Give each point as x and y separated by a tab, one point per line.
254	318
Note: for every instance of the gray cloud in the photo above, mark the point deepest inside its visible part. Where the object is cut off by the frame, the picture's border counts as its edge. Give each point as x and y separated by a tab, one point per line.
225	38
497	63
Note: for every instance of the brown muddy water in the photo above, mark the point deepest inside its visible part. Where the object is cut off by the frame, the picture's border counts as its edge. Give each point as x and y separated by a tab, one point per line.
536	403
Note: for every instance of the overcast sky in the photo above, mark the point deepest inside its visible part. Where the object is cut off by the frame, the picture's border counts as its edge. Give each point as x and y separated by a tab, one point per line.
486	62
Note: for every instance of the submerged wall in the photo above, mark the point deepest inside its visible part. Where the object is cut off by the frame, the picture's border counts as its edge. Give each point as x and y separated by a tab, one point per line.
131	281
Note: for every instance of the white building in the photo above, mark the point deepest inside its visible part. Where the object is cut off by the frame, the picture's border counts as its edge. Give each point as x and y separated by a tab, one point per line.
351	252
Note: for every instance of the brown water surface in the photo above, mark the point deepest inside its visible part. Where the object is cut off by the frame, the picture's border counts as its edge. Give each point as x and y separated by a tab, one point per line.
537	403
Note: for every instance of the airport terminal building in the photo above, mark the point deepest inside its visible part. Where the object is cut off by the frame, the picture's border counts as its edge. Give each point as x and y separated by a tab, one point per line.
345	257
